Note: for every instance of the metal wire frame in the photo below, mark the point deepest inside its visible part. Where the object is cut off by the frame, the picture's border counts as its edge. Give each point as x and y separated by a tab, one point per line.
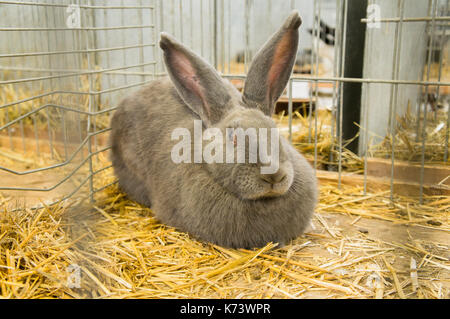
16	55
342	27
85	28
53	96
41	4
223	45
394	88
338	80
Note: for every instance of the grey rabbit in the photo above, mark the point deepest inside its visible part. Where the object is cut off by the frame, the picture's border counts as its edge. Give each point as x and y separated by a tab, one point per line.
229	204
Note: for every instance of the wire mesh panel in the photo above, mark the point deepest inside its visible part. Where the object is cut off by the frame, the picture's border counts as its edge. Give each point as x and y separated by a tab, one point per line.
65	65
413	131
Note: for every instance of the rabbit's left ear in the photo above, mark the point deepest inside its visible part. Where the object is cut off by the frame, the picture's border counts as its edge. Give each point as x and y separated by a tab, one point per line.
272	67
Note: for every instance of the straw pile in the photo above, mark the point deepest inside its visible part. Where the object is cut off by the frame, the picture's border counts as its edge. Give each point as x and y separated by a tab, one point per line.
408	139
8	95
11	93
303	136
407	146
117	249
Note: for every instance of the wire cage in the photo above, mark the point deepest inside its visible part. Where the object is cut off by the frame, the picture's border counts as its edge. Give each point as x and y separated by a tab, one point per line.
382	113
367	105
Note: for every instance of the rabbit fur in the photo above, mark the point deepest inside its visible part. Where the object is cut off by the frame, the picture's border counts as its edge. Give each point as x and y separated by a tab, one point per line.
229	204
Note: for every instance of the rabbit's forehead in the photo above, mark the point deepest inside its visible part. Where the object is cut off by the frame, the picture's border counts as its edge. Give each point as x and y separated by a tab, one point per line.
249	118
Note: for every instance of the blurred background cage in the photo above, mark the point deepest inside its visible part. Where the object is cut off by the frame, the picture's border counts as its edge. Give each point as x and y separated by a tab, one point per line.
367	102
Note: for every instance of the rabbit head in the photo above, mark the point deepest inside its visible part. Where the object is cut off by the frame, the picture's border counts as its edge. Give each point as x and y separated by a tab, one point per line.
219	105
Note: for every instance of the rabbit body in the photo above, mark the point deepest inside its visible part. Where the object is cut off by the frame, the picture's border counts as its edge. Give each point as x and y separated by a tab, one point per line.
206	200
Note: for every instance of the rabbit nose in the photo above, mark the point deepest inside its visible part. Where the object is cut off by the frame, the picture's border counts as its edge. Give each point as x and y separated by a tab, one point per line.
274	178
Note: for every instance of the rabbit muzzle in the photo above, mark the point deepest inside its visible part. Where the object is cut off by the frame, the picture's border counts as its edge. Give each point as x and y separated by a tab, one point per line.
267	185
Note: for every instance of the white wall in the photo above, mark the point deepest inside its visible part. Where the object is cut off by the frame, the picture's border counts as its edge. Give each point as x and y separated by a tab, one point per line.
380	63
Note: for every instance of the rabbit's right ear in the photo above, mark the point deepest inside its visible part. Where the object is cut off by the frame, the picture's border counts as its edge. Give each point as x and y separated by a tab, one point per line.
198	84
